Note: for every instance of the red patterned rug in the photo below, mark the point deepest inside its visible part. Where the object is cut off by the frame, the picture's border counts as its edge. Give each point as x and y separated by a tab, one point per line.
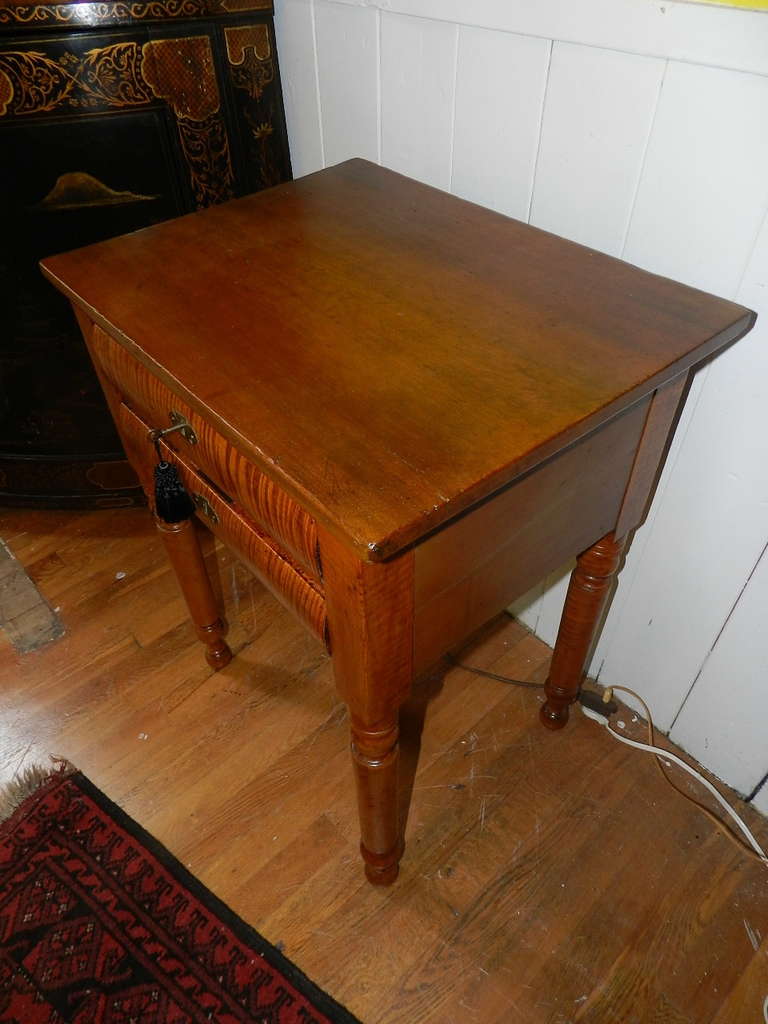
99	924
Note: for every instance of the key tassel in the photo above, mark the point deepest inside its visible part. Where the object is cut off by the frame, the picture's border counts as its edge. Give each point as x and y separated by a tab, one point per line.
172	503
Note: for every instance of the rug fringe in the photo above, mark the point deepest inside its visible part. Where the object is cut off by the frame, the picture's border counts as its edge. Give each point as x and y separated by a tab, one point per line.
28	781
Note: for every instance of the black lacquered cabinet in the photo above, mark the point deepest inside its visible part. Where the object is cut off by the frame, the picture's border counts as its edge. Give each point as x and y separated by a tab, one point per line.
113	116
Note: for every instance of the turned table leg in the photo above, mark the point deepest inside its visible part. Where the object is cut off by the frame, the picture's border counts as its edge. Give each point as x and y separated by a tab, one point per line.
591	583
375	757
180	539
370	628
185	556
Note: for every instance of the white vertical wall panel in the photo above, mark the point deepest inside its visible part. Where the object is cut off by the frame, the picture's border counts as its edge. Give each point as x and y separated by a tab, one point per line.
760	800
597	118
348	75
696	219
418	72
527	607
684	31
500	83
705	182
294	28
723	722
552	601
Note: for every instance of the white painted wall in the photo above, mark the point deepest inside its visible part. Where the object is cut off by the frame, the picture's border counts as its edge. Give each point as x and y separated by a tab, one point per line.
638	127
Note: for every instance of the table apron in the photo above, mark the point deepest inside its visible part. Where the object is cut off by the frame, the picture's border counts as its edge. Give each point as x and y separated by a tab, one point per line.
478	564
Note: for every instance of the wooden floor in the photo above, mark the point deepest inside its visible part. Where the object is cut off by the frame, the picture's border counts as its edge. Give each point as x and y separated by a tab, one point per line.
548	878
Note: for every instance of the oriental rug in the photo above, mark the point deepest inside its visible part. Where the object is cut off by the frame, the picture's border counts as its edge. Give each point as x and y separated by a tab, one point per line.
100	924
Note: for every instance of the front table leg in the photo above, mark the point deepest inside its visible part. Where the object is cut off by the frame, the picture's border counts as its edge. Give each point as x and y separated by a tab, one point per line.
184	554
370	627
375	756
591	583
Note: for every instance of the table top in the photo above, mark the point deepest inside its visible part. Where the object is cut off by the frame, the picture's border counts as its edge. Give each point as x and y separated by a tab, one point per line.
388	353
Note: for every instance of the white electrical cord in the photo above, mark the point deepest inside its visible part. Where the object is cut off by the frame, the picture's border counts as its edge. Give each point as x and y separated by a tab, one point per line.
669	756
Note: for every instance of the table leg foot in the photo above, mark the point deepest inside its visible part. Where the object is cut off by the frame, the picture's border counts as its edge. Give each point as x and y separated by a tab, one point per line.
217	651
591	584
382	869
552	717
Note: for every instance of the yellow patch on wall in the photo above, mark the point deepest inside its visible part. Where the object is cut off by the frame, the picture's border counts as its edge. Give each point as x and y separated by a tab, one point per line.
748	5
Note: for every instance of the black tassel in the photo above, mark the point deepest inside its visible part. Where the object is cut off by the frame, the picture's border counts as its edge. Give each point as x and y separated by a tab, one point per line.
172	503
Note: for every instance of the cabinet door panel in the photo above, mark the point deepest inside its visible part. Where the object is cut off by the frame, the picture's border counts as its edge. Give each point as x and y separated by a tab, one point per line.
105	131
64	185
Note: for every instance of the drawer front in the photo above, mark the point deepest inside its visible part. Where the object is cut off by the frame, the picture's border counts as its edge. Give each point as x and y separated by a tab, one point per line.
262	499
294	588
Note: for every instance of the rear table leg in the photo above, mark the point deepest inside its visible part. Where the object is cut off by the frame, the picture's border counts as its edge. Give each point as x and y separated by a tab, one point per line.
591	584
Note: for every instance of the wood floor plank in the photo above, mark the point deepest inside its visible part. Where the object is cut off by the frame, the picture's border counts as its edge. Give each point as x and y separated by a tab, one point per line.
748	998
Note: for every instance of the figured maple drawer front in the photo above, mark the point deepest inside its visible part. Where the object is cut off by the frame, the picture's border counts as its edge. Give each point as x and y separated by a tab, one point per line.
287	581
267	503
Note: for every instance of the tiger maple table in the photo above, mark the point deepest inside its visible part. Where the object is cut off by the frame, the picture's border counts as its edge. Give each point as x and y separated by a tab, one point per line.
402	411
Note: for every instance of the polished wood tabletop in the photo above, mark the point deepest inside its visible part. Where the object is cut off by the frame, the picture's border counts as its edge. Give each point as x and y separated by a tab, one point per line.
401	411
411	352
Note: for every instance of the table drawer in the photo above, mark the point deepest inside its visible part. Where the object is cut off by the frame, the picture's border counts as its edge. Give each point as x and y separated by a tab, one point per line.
295	588
267	503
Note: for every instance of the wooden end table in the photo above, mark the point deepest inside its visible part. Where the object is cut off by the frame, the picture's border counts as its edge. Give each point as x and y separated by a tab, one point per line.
402	411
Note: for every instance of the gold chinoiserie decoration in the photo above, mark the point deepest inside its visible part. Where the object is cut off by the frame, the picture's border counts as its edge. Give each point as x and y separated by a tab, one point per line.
252	69
89	15
78	189
250	57
108	76
180	72
6	92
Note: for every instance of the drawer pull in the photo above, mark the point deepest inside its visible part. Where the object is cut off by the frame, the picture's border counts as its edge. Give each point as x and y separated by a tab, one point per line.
179	423
203	505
